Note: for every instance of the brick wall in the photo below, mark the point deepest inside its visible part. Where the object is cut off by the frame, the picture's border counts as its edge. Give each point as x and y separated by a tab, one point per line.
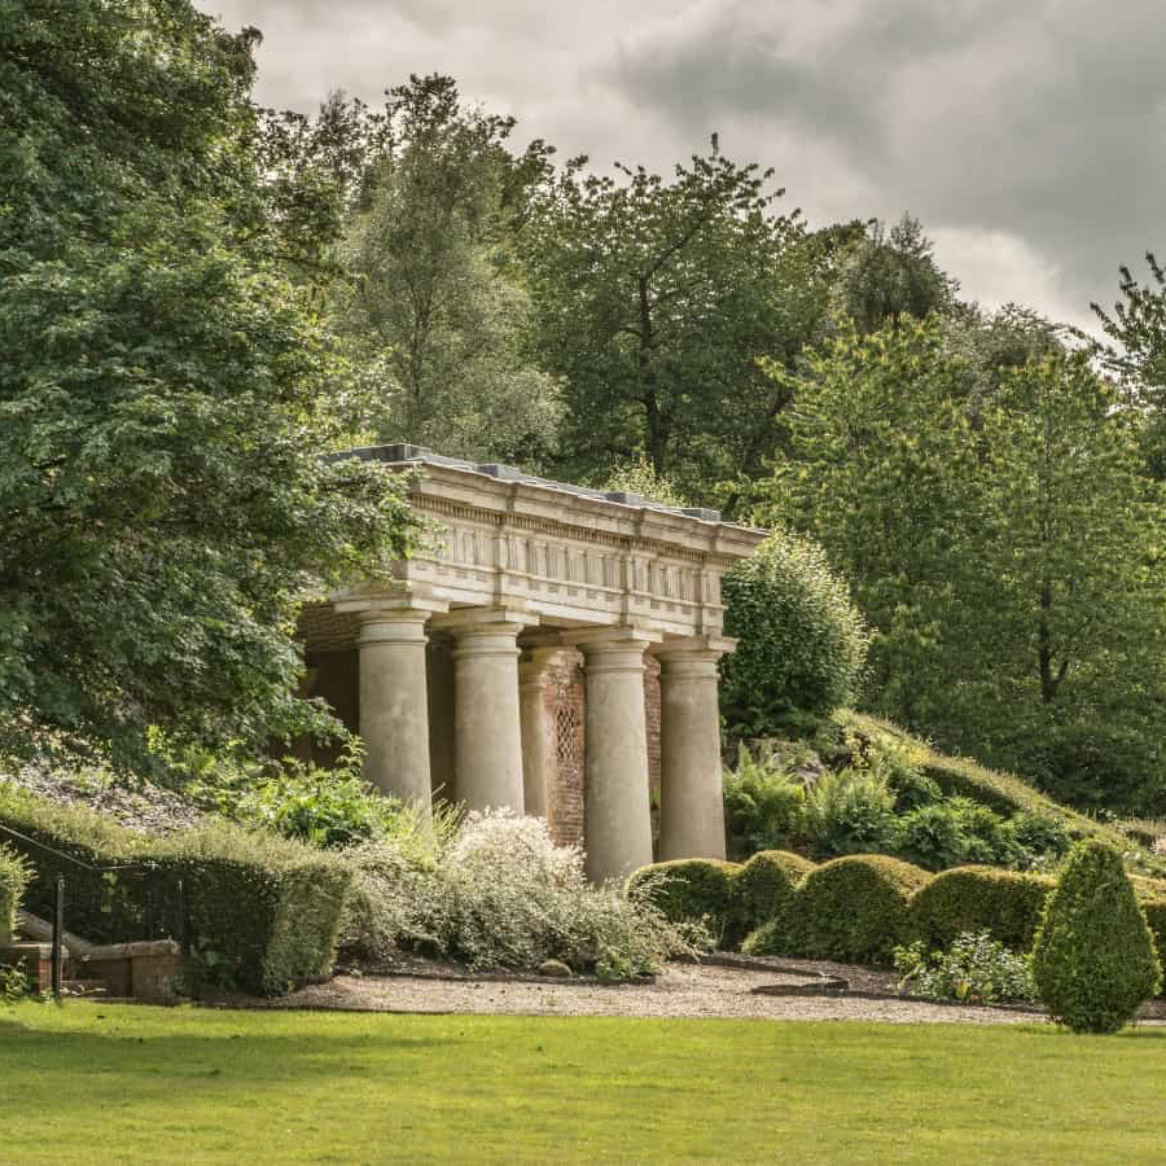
564	694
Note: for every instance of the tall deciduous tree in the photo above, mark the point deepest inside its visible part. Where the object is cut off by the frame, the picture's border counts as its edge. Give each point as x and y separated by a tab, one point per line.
1004	547
437	314
655	298
163	502
888	274
1136	358
1072	683
881	473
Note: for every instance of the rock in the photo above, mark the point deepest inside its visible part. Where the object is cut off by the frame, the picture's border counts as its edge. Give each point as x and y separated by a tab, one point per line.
554	968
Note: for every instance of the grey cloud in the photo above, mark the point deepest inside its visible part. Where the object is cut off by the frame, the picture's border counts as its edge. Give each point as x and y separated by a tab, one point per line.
1043	119
1027	133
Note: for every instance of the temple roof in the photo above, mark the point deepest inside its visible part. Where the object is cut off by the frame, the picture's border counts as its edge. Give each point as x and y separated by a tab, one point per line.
405	454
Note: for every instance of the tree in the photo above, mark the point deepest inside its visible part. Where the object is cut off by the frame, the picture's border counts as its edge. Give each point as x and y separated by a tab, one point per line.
1073	683
881	473
436	314
1137	357
1004	548
164	505
887	275
654	299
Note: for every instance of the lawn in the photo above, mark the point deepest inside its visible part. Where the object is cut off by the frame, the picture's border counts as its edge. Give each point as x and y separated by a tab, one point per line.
101	1083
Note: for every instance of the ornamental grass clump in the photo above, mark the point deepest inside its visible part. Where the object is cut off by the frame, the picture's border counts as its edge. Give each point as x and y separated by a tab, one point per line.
1094	962
500	894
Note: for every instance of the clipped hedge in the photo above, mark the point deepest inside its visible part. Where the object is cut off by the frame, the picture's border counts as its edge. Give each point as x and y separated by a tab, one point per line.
1094	960
692	889
261	913
1007	904
764	888
13	880
855	908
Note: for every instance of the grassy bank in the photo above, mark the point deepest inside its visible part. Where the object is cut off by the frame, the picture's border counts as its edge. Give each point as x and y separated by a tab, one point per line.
97	1084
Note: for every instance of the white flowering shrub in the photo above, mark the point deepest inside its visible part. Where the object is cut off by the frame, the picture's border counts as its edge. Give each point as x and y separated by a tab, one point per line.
500	894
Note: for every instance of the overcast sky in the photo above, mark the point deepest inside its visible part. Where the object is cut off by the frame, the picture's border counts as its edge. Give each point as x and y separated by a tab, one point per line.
1028	135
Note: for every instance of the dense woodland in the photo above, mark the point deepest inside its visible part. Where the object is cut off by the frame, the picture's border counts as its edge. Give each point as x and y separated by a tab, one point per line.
199	296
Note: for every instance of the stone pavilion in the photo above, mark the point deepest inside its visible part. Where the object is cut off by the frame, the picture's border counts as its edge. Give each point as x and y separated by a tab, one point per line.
550	649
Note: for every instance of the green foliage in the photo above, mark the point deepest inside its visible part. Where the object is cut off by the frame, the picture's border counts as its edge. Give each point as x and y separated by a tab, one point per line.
639	477
975	969
855	908
654	297
1013	589
802	643
698	890
1007	905
772	938
14	985
497	892
851	811
958	830
263	912
882	469
1095	962
163	400
1039	834
1136	358
763	807
434	314
885	275
14	875
763	889
327	808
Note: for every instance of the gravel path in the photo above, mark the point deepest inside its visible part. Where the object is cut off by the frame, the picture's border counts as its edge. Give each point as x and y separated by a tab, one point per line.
682	990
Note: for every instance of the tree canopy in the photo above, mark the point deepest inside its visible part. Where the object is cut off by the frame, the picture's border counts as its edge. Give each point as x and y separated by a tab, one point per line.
163	501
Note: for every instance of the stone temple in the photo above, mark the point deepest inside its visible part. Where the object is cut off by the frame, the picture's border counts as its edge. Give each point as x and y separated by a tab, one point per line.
550	649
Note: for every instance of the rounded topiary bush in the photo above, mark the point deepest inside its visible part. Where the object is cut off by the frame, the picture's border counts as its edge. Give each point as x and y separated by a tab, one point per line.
690	889
973	899
802	642
1094	962
765	888
855	908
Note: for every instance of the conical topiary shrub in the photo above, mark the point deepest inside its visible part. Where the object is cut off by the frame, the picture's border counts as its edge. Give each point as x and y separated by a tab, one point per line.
1094	960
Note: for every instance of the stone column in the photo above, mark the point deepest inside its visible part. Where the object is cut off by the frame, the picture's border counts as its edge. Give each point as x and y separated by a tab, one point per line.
618	817
488	731
394	713
692	816
538	730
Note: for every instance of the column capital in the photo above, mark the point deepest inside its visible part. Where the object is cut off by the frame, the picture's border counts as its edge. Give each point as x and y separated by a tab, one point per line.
470	620
537	660
396	625
373	605
593	641
694	647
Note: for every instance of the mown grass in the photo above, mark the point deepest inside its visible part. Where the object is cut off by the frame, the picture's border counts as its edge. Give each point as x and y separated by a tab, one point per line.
94	1083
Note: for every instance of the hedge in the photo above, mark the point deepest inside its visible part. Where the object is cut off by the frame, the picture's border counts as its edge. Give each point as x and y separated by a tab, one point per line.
764	888
855	908
1094	960
13	880
1006	904
692	889
261	913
